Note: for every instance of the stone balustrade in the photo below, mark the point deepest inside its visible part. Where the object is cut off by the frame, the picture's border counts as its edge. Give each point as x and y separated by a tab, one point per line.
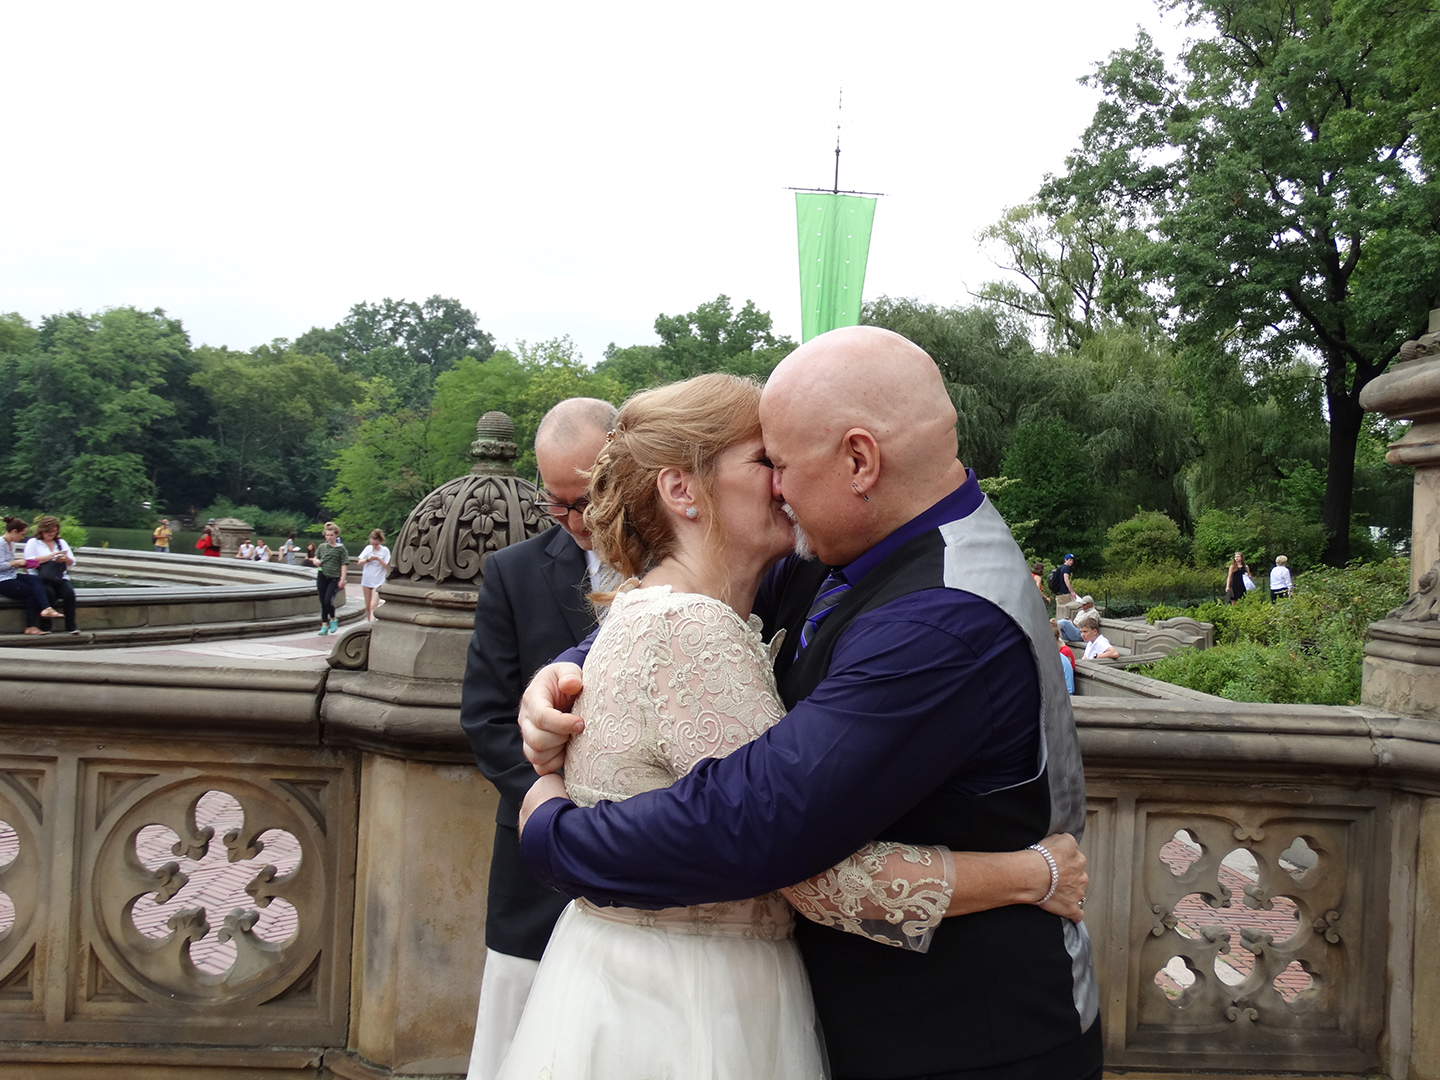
231	888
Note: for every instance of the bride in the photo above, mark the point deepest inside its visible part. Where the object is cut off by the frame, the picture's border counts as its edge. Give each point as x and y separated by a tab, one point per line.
681	498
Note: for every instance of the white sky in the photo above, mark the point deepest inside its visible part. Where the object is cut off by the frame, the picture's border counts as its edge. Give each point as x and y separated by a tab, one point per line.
562	168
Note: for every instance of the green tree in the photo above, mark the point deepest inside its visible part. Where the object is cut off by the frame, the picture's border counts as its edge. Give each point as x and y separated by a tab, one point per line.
398	456
1077	279
94	387
277	416
1055	488
406	343
110	488
1284	179
713	337
17	336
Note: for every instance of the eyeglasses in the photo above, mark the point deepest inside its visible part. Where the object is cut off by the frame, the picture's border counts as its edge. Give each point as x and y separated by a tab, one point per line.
553	506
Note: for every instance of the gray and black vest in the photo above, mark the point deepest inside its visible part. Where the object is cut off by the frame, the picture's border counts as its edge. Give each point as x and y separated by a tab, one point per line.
998	985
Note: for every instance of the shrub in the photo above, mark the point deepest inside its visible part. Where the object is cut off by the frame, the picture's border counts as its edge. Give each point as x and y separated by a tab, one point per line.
1150	584
1261	534
1149	537
264	522
1306	648
71	531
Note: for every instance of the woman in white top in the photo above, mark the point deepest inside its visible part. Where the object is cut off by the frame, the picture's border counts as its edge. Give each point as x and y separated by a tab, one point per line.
261	552
1281	583
46	548
26	588
682	494
374	565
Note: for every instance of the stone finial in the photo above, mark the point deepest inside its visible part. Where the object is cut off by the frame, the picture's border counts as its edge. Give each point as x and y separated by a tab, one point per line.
448	534
494	448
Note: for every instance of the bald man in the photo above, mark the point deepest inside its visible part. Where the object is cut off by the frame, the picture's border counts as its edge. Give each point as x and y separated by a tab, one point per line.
926	705
530	609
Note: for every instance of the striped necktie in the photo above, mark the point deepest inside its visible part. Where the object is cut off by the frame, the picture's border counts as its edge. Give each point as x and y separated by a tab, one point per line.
832	591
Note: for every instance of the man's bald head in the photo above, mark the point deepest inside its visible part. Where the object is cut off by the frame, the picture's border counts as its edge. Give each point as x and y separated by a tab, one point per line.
864	431
575	418
566	444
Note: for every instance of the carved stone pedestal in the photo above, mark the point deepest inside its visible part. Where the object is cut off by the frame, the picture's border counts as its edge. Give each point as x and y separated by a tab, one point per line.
1402	668
231	532
1402	653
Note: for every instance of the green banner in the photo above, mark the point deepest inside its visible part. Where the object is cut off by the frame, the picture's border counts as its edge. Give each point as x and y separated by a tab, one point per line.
834	233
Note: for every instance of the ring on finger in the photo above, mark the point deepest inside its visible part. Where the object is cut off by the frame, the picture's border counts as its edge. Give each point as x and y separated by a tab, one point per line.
1082	902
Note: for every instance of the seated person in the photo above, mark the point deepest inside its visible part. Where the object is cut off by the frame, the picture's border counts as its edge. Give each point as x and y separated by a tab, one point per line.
1068	630
1065	650
1097	645
1067	660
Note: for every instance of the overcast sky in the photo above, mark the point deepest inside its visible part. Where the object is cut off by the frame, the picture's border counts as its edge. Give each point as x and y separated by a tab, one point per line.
560	168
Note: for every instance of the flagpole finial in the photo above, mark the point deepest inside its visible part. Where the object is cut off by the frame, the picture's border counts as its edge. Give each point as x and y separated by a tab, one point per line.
839	105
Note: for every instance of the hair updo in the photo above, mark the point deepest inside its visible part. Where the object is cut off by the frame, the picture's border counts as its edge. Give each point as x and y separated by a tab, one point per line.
686	425
15	524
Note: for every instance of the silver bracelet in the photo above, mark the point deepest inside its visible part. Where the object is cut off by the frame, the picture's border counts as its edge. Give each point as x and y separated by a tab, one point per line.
1054	871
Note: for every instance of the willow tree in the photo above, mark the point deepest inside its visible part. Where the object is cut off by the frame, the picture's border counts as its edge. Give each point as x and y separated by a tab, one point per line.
1283	178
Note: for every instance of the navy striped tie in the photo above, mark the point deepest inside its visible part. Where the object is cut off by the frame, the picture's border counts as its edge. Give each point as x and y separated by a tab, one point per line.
832	591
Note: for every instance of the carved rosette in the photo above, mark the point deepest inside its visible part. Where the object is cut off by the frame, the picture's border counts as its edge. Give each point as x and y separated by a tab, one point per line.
448	535
127	966
21	833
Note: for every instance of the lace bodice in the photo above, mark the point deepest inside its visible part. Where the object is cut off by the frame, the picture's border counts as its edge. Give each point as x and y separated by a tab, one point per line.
674	678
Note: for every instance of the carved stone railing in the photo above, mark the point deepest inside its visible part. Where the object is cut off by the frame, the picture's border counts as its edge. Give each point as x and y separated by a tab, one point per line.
1264	881
1259	881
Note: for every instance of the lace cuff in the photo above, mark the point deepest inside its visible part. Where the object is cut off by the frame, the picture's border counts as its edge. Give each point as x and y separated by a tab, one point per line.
895	894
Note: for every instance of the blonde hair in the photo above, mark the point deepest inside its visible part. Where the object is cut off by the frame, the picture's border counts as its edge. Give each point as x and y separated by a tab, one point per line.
1281	560
686	425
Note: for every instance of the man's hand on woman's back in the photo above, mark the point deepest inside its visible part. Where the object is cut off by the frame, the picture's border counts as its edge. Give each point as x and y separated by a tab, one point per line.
546	723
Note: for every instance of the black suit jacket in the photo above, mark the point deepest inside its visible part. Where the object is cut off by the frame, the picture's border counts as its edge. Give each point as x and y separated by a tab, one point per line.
530	609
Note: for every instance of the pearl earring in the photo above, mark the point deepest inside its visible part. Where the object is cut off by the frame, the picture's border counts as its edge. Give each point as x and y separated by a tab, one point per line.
692	513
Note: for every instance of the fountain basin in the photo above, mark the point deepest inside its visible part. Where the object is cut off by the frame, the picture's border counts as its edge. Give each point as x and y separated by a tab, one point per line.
176	598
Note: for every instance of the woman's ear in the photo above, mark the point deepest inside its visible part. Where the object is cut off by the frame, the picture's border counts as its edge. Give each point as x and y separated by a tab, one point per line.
677	490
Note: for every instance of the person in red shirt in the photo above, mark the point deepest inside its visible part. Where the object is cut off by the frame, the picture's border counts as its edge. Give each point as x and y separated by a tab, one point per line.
207	544
1064	649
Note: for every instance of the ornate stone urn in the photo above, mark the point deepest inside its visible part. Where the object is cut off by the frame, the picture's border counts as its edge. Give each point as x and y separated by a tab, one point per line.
1402	651
401	675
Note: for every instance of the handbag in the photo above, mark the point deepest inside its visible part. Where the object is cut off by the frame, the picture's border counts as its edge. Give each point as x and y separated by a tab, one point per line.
52	570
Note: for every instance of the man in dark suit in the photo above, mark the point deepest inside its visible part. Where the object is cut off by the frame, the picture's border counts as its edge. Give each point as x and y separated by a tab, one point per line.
531	608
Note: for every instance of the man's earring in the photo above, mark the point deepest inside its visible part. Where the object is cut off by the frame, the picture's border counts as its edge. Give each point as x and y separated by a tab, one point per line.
858	491
692	513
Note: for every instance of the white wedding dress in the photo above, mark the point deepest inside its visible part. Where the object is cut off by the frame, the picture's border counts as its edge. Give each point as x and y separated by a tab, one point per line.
716	991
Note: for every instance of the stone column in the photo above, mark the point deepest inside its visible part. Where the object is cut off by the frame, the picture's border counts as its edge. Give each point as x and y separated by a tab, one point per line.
427	816
1402	652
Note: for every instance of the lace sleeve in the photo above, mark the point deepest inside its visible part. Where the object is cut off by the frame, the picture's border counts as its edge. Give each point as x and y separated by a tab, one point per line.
892	893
